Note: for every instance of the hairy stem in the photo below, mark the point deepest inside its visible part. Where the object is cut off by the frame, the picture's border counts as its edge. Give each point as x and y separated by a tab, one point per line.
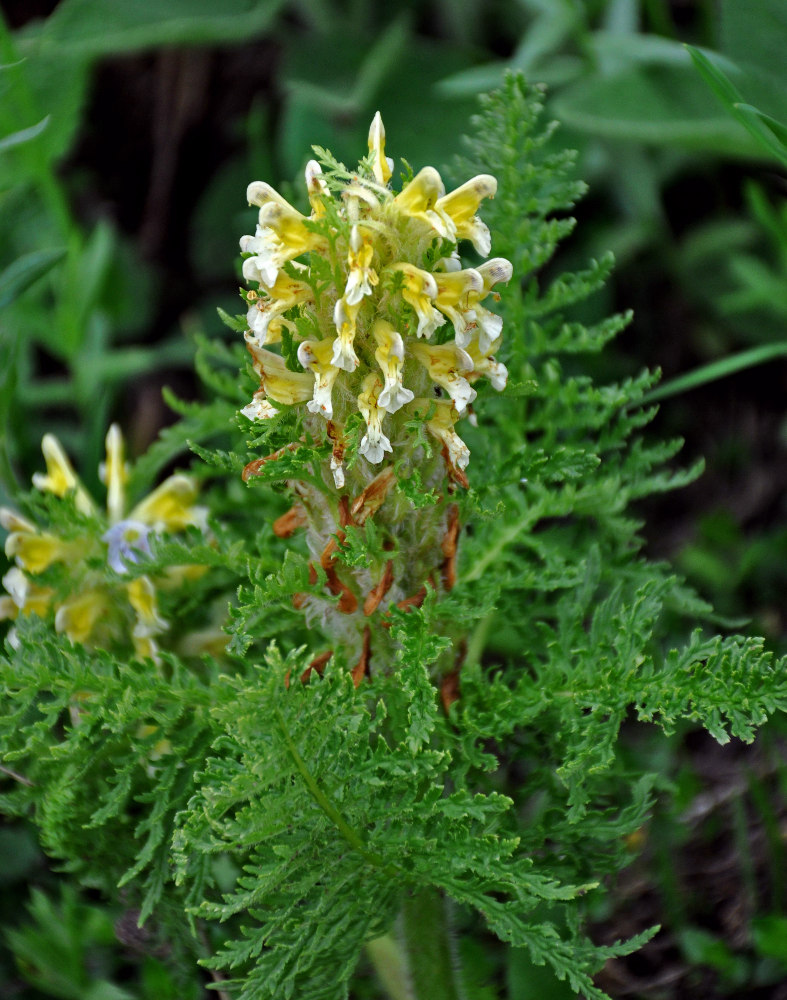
431	957
390	965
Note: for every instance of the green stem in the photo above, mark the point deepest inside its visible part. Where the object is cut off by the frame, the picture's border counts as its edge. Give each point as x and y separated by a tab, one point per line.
351	836
713	371
426	935
504	539
391	967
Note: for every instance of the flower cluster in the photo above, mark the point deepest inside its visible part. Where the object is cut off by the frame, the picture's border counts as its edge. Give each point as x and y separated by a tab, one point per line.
93	600
370	293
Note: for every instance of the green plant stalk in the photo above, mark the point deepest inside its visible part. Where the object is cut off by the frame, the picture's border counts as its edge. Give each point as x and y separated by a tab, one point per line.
426	936
390	965
714	371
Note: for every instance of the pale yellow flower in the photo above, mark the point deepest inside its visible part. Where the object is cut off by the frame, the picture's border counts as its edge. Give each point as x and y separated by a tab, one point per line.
276	379
441	424
374	443
316	355
266	309
316	188
390	357
344	318
362	277
457	293
461	206
60	477
420	200
419	290
382	166
447	365
92	608
485	365
281	236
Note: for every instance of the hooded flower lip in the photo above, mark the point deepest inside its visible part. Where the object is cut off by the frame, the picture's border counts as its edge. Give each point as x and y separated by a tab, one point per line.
260	193
461	206
362	285
476	320
316	188
121	538
35	551
420	200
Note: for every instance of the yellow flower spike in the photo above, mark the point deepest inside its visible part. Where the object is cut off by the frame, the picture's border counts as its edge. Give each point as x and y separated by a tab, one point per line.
388	295
317	355
444	363
382	166
457	292
485	365
276	380
461	205
344	316
362	277
420	198
263	316
114	474
170	507
316	189
374	443
419	288
60	477
36	551
441	425
390	357
77	615
25	595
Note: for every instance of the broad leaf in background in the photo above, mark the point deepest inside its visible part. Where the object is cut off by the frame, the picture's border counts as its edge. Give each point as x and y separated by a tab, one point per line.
92	28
